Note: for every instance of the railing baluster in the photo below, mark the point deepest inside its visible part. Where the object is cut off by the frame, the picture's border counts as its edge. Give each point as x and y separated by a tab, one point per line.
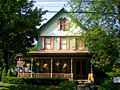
46	75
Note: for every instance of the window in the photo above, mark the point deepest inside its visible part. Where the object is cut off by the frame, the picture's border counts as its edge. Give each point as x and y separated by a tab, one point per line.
79	45
47	43
63	24
63	43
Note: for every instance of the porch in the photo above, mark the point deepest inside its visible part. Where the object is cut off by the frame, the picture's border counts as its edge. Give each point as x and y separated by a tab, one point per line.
72	66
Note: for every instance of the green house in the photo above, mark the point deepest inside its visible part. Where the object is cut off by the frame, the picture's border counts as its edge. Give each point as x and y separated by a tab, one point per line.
61	52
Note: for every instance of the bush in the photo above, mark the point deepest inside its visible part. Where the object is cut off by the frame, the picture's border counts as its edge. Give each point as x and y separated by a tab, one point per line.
8	74
68	85
4	78
34	81
108	85
0	73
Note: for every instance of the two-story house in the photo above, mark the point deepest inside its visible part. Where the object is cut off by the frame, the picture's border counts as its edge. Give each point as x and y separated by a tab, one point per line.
61	51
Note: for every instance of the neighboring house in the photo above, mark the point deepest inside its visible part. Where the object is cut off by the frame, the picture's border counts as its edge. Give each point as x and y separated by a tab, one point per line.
61	51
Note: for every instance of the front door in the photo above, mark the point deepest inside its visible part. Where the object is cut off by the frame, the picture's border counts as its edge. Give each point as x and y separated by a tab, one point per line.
80	69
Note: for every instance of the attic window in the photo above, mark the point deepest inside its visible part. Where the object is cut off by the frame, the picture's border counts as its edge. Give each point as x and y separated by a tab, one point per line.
63	24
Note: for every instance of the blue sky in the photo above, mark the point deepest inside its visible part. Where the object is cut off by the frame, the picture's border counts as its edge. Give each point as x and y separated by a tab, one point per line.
51	5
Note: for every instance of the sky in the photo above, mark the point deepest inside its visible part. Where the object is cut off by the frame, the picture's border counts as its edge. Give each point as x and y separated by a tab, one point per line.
51	5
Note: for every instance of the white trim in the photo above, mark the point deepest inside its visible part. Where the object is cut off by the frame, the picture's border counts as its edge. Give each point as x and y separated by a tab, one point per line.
51	67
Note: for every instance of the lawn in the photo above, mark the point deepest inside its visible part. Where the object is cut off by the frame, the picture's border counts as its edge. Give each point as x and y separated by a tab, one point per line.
4	86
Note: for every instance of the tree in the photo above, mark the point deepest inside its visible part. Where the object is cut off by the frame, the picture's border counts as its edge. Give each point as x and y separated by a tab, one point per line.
101	17
18	21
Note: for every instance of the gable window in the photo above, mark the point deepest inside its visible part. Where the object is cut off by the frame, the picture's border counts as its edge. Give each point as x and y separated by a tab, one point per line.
63	43
63	24
47	43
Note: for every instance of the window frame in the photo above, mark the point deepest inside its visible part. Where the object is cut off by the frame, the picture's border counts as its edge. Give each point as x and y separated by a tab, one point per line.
63	43
78	41
47	43
62	24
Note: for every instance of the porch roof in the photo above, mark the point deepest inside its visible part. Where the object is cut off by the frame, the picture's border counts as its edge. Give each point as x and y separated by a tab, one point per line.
59	53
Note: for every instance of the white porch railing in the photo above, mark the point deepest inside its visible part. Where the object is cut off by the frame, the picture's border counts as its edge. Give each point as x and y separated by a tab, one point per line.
45	75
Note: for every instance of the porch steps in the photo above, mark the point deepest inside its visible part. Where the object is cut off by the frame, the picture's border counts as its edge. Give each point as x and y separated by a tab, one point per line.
82	81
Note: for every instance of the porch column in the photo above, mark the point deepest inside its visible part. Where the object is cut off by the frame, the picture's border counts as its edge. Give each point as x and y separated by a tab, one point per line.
51	67
91	67
71	69
19	70
19	58
31	66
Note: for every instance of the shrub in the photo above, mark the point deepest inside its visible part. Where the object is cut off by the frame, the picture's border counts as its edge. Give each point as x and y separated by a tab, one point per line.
35	81
108	85
0	73
4	78
68	85
8	74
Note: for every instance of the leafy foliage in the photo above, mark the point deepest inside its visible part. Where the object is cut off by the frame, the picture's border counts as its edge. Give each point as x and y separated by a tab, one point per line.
4	86
4	78
109	85
18	21
102	34
114	73
34	81
8	73
33	48
0	73
68	85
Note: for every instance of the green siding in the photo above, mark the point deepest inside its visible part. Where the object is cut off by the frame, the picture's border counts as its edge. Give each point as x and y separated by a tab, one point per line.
39	47
71	43
55	42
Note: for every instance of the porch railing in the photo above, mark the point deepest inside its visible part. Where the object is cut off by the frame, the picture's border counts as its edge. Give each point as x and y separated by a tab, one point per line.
46	75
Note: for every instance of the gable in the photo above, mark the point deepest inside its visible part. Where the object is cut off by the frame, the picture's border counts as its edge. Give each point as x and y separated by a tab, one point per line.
50	28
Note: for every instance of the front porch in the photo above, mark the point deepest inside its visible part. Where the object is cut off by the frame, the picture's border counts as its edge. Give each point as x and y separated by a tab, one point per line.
71	66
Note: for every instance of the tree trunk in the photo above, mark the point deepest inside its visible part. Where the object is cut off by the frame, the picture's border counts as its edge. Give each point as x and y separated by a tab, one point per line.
5	57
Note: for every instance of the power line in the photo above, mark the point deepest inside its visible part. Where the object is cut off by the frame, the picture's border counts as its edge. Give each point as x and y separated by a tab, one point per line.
82	12
52	6
80	1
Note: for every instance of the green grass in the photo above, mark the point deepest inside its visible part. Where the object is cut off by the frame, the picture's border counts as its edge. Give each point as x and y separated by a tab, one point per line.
4	86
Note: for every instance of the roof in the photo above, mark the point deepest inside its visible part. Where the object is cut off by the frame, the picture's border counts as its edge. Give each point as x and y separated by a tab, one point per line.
63	10
47	54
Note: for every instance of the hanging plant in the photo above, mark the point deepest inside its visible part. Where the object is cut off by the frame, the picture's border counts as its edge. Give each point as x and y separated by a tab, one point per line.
45	65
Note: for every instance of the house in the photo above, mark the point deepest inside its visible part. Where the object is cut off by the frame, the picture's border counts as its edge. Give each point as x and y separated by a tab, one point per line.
61	51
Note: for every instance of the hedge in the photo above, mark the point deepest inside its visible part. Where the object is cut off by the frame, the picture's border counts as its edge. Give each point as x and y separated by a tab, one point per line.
34	81
68	85
109	85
